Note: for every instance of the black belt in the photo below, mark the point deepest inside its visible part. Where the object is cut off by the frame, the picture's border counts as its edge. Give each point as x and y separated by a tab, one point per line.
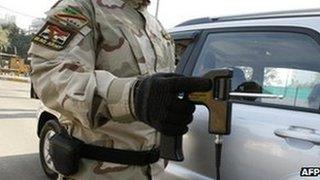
135	158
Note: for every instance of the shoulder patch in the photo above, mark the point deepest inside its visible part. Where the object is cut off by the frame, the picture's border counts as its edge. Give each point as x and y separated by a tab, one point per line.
53	37
73	16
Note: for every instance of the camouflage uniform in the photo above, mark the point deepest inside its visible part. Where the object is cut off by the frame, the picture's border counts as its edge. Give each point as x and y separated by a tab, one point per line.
85	61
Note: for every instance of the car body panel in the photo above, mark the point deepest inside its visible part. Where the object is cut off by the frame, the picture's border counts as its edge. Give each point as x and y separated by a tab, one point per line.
45	114
42	108
253	147
252	151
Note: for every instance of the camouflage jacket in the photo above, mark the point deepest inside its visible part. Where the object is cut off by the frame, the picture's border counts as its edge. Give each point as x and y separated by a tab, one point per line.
85	61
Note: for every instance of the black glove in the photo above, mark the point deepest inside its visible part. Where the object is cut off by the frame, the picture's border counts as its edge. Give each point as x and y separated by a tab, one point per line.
157	101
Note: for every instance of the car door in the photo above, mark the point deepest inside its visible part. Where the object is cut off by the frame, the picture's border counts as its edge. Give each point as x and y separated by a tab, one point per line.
276	124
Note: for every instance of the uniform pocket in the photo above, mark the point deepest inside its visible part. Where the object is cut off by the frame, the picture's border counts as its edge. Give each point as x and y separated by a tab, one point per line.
131	36
116	55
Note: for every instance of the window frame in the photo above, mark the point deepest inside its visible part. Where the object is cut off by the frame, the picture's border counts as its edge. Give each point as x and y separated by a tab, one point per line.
192	60
186	35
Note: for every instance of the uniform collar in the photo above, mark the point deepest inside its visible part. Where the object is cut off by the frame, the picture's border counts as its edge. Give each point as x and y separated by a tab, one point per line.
137	4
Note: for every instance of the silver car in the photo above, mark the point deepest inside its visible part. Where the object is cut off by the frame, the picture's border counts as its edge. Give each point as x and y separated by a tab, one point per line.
276	94
275	101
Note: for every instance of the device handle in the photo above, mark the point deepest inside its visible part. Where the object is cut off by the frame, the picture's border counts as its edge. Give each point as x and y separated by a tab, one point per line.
171	148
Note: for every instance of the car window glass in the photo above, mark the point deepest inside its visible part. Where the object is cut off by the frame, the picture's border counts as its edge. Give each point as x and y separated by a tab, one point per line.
180	48
298	87
278	63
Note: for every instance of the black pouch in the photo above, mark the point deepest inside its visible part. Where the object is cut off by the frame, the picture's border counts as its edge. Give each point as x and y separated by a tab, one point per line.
65	152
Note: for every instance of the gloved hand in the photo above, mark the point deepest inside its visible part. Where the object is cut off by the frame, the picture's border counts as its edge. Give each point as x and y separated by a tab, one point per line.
157	102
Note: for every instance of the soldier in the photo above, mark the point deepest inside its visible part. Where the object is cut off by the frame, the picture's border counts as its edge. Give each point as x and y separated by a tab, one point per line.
105	66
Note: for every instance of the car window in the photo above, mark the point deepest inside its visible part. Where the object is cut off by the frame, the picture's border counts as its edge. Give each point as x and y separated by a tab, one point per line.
180	48
286	64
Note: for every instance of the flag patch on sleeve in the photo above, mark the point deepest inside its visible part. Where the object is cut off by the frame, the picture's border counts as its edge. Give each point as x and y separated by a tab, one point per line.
53	37
72	16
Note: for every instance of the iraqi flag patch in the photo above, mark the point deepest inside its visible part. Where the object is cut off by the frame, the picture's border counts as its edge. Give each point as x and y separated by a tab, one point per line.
72	16
53	37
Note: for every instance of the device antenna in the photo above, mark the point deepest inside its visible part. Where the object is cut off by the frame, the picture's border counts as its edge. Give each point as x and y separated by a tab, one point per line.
157	9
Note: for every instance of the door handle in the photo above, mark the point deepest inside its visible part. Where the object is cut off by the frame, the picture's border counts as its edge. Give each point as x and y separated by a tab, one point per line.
299	133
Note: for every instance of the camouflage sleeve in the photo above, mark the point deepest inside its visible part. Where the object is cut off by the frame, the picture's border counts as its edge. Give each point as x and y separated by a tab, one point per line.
64	74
